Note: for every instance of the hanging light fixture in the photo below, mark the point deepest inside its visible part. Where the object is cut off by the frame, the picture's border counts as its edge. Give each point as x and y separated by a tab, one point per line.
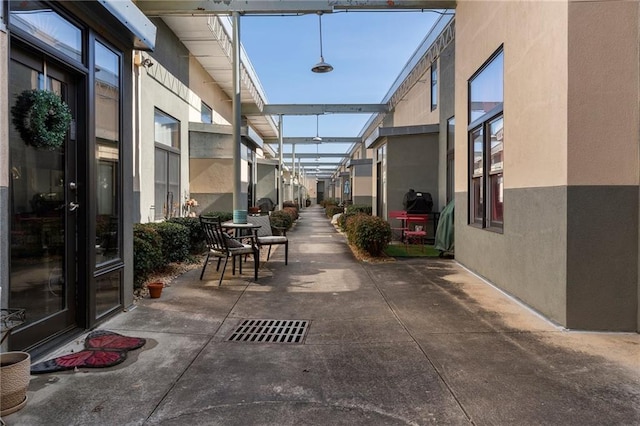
322	66
317	139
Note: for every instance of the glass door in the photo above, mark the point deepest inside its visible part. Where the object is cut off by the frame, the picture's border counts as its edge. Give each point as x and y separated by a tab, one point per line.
43	211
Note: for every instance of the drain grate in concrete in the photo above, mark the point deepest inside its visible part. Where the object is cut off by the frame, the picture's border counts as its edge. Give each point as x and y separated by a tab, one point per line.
270	331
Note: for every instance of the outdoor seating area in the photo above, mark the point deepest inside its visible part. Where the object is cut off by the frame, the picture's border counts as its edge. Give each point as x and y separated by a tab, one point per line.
404	224
221	245
226	240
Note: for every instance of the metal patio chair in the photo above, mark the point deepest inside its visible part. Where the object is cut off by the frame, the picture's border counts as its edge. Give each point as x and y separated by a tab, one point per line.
265	237
221	245
416	229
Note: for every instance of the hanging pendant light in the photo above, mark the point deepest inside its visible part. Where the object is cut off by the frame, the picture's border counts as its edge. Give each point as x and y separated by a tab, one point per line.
317	139
322	66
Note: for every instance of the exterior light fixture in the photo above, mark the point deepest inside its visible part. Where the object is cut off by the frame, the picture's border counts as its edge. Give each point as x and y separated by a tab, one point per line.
321	67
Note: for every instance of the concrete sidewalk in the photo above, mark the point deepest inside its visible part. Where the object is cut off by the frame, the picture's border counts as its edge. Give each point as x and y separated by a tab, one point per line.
418	341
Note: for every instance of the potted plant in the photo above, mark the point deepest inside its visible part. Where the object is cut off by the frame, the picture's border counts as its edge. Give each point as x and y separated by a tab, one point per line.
15	367
155	289
14	375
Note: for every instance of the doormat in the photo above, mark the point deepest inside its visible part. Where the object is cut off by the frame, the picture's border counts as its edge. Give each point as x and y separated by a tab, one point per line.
102	348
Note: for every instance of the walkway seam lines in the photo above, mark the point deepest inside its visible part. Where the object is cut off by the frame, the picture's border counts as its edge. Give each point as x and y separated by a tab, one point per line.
440	376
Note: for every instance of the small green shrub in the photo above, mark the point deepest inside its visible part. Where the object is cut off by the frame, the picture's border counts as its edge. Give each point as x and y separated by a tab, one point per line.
351	223
147	252
359	208
196	236
369	233
224	216
293	212
331	210
281	219
329	202
175	241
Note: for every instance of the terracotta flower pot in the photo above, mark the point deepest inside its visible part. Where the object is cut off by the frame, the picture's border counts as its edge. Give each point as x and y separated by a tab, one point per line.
14	379
155	290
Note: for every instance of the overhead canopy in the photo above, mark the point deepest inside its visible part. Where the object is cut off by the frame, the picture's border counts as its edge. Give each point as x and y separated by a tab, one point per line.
208	38
141	28
256	7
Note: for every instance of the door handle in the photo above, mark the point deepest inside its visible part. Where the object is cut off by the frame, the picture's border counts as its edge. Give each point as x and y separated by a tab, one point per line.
73	206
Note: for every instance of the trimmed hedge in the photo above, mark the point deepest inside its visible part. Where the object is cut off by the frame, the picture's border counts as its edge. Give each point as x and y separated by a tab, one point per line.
147	252
331	210
281	219
196	235
224	216
329	202
369	233
359	208
175	241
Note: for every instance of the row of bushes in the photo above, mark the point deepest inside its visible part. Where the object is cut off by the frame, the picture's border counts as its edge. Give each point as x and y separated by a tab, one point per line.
329	202
369	233
180	239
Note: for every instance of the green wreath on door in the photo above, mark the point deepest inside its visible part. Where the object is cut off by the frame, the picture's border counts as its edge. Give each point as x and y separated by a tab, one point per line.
42	118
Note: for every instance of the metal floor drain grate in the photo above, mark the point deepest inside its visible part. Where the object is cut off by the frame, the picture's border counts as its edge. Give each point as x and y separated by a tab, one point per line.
270	331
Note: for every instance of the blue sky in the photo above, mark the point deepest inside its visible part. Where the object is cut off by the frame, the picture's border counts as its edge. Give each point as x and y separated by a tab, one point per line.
367	50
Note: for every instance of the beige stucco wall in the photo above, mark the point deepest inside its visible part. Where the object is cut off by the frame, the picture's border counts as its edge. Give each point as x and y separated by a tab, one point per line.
535	45
361	186
154	94
202	83
528	259
415	107
603	117
207	173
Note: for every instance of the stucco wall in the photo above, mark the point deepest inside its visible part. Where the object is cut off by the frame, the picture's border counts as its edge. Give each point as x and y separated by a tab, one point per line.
155	94
412	162
415	107
534	35
361	176
529	258
267	182
603	122
202	83
211	168
569	248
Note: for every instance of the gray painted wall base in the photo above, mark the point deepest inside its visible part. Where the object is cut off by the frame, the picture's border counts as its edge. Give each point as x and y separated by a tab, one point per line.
569	253
602	257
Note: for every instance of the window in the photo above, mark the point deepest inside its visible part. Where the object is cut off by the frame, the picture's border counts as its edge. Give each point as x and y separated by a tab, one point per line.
37	19
167	166
434	85
206	113
108	167
486	144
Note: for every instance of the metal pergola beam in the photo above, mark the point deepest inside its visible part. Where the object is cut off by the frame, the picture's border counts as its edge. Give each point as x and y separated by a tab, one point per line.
314	164
313	109
262	7
312	155
310	141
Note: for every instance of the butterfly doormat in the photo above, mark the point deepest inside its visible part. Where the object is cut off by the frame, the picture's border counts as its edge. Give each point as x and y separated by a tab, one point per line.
102	348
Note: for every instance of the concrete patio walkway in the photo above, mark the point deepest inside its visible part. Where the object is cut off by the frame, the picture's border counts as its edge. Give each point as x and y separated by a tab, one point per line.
409	342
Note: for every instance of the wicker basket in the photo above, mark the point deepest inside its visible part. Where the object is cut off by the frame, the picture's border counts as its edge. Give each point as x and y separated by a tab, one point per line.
14	375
